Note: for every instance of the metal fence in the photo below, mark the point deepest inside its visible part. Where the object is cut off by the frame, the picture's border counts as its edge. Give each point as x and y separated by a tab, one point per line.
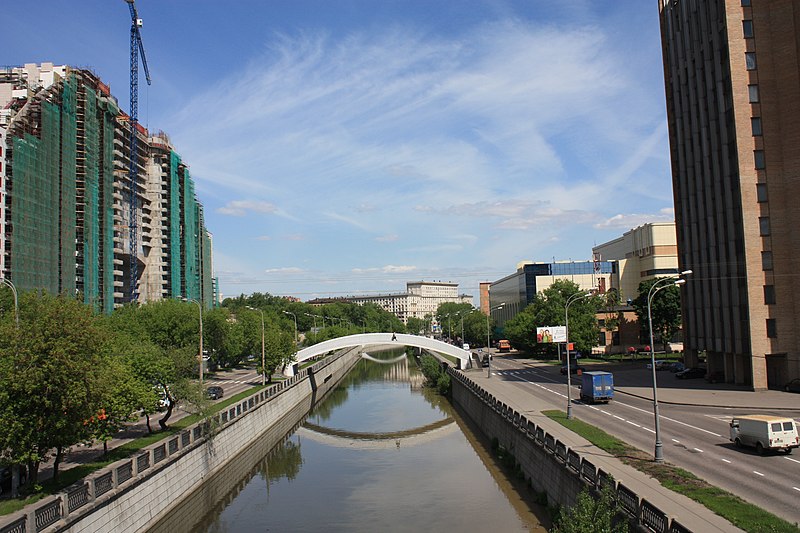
644	513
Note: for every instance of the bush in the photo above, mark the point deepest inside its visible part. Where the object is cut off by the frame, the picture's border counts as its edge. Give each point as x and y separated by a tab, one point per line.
592	515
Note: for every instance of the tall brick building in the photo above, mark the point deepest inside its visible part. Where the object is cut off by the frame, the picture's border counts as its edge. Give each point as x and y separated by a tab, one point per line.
732	76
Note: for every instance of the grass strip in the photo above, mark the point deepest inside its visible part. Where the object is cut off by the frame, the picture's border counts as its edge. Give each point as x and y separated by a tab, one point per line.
738	512
71	475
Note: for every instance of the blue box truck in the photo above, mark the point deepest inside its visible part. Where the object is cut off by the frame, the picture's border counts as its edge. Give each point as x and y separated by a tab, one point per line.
597	386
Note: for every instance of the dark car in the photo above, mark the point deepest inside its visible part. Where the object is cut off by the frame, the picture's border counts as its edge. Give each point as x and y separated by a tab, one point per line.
793	386
677	366
691	373
574	368
215	393
485	360
5	478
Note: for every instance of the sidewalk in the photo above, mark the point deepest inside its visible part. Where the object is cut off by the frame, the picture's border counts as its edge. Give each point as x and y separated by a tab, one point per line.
688	512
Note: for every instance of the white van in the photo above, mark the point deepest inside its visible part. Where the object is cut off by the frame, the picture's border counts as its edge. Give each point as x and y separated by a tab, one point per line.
765	432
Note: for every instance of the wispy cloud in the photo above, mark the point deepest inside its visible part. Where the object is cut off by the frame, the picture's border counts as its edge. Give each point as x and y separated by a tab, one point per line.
285	270
388	269
387	238
240	208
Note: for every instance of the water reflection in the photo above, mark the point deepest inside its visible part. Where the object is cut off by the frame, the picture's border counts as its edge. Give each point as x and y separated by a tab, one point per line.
379	453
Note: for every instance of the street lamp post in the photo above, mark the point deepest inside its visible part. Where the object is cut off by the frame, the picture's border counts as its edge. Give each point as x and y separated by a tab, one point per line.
663	283
295	325
572	299
315	325
200	307
488	343
16	301
263	351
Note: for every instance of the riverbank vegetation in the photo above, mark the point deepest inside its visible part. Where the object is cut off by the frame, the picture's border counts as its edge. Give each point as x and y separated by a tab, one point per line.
435	374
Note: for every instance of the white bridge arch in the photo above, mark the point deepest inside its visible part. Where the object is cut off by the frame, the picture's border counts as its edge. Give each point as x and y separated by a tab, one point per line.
383	339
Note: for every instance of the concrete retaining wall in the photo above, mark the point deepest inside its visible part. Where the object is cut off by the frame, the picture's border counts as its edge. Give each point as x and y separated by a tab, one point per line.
550	465
164	486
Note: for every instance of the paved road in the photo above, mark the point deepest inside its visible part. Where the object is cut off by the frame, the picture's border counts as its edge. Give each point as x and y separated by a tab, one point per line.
694	437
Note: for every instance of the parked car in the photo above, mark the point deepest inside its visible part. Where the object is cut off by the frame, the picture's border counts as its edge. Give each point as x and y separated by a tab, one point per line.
660	365
5	478
503	345
465	346
574	368
793	386
677	366
691	373
214	392
485	360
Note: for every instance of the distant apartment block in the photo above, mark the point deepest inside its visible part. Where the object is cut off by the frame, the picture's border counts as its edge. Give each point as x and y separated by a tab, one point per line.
733	107
421	299
64	196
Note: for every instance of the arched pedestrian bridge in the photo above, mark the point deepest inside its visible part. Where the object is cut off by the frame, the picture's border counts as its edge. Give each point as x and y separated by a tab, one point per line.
383	339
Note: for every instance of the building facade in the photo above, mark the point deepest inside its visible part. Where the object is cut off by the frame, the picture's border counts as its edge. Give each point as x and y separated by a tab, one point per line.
642	253
733	107
66	192
421	299
514	292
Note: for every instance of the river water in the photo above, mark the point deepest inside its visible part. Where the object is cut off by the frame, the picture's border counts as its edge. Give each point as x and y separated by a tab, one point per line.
380	453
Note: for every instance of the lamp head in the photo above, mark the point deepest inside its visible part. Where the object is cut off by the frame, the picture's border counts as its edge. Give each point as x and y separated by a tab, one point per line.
686	272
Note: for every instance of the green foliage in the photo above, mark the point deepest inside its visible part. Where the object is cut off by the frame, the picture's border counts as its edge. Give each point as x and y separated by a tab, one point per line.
415	326
548	309
54	372
449	315
665	309
592	515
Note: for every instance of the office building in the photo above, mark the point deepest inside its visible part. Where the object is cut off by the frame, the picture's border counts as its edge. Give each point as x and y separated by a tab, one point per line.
733	106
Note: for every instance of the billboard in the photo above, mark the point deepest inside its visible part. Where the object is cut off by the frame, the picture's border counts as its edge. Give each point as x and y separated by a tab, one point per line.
550	334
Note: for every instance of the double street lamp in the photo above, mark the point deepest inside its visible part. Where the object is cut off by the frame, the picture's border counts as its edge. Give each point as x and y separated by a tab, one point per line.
661	283
488	343
263	351
571	300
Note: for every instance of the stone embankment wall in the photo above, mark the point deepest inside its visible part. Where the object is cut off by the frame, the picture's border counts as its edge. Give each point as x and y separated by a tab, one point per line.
170	485
550	465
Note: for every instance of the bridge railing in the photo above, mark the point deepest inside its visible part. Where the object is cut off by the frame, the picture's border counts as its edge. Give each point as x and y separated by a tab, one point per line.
640	511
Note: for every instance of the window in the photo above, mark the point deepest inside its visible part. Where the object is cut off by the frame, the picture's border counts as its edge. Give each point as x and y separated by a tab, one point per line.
775	426
758	156
766	260
761	192
769	294
763	226
750	60
745	3
752	91
772	329
755	124
788	426
747	29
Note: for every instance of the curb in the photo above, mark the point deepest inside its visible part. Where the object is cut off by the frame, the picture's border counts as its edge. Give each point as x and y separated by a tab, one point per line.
706	404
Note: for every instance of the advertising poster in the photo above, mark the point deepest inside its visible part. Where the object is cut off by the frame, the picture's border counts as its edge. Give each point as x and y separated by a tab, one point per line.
548	334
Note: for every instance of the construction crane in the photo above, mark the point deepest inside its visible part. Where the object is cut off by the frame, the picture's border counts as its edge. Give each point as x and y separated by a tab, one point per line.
137	49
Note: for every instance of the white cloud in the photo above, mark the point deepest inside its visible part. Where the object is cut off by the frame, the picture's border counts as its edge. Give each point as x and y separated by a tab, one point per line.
388	269
387	238
239	208
284	270
629	221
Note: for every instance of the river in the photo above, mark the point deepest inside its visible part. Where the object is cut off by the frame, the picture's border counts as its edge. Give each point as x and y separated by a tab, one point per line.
380	453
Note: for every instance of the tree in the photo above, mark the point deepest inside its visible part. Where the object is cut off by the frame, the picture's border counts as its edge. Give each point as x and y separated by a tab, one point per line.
592	515
665	310
53	372
548	309
279	349
449	315
224	337
415	326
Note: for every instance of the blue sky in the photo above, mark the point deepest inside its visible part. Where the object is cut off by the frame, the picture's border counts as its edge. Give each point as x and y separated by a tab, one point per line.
346	147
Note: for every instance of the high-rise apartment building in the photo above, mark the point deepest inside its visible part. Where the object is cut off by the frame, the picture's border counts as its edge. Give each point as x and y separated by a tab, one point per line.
64	196
733	106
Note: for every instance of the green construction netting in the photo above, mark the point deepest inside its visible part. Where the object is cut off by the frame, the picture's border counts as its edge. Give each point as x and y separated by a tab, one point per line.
191	233
175	225
109	114
91	199
67	192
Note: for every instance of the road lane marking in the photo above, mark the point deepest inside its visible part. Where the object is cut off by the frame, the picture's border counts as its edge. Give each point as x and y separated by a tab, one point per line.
725	460
758	473
671	419
633	423
618	417
795	460
676	440
650	430
698	450
795	488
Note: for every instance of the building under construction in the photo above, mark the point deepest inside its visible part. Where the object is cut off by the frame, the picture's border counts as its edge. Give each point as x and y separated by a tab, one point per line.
64	181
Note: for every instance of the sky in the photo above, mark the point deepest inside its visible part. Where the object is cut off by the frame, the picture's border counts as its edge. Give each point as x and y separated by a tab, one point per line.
346	147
